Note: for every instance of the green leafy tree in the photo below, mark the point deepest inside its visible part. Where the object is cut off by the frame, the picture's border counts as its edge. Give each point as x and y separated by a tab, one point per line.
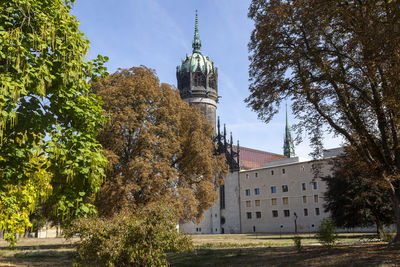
160	148
339	62
353	197
48	117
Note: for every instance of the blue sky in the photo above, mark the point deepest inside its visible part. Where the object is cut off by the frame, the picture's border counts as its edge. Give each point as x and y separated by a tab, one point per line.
159	33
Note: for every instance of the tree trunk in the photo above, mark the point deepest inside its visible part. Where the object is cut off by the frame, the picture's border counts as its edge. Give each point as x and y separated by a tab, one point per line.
396	209
379	228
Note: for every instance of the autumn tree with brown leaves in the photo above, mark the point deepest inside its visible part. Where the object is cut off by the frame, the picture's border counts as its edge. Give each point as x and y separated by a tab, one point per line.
339	62
159	147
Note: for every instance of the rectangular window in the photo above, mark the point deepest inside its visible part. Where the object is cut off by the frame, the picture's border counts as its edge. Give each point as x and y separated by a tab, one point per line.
315	185
258	214
257	203
248	215
303	186
273	189
248	203
315	198
285	188
256	174
256	191
247	175
274	201
222	196
316	211
285	200
305	212
272	172
274	213
304	199
247	192
286	213
283	171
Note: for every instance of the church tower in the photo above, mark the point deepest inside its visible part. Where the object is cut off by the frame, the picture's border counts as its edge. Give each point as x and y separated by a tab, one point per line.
288	146
198	79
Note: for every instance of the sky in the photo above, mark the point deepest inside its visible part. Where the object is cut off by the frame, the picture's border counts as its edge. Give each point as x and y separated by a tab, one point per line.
159	34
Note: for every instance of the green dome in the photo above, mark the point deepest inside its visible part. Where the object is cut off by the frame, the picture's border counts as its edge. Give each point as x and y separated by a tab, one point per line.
192	62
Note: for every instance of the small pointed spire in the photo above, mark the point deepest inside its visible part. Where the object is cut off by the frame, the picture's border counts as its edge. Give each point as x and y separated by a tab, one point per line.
288	146
196	40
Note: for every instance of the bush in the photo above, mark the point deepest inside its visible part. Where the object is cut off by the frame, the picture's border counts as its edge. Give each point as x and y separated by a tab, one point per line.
128	239
297	243
326	233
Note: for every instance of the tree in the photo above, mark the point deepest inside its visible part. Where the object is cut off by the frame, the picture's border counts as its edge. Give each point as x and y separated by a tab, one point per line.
339	63
48	117
354	198
160	148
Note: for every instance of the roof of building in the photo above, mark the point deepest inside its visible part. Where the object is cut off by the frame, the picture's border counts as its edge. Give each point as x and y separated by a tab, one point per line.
253	158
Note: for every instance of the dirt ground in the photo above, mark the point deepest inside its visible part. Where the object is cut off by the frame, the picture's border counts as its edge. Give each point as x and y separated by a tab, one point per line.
268	250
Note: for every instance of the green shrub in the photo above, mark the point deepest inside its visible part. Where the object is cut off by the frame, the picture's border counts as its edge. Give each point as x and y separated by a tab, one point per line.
128	239
297	243
326	233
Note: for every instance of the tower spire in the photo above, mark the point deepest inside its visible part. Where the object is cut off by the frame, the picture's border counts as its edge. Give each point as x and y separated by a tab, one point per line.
288	146
196	40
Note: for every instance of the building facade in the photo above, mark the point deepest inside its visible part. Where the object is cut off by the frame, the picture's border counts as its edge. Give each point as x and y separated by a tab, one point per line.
263	192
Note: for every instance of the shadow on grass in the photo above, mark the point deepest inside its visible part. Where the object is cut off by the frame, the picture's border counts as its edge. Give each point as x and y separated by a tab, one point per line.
361	255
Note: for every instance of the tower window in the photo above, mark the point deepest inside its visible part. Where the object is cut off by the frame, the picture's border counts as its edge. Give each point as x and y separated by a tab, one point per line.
304	199
248	215
258	214
316	198
316	211
274	201
285	200
256	191
247	192
257	203
273	189
272	172
256	174
283	171
285	188
222	196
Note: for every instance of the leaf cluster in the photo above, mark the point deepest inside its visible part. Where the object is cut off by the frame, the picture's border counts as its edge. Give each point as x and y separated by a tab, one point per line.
48	116
139	238
355	196
159	147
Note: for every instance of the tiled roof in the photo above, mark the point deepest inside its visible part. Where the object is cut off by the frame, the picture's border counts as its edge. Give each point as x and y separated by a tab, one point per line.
253	158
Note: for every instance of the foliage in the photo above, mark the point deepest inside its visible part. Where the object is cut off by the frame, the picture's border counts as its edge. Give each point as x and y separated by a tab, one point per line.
48	117
297	243
338	61
129	238
158	145
326	233
353	197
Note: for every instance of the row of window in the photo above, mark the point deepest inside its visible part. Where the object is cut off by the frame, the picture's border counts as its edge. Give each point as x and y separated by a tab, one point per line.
286	213
285	188
274	201
272	172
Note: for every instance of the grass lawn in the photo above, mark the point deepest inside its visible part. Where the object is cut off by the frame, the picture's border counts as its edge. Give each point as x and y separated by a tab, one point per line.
227	250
